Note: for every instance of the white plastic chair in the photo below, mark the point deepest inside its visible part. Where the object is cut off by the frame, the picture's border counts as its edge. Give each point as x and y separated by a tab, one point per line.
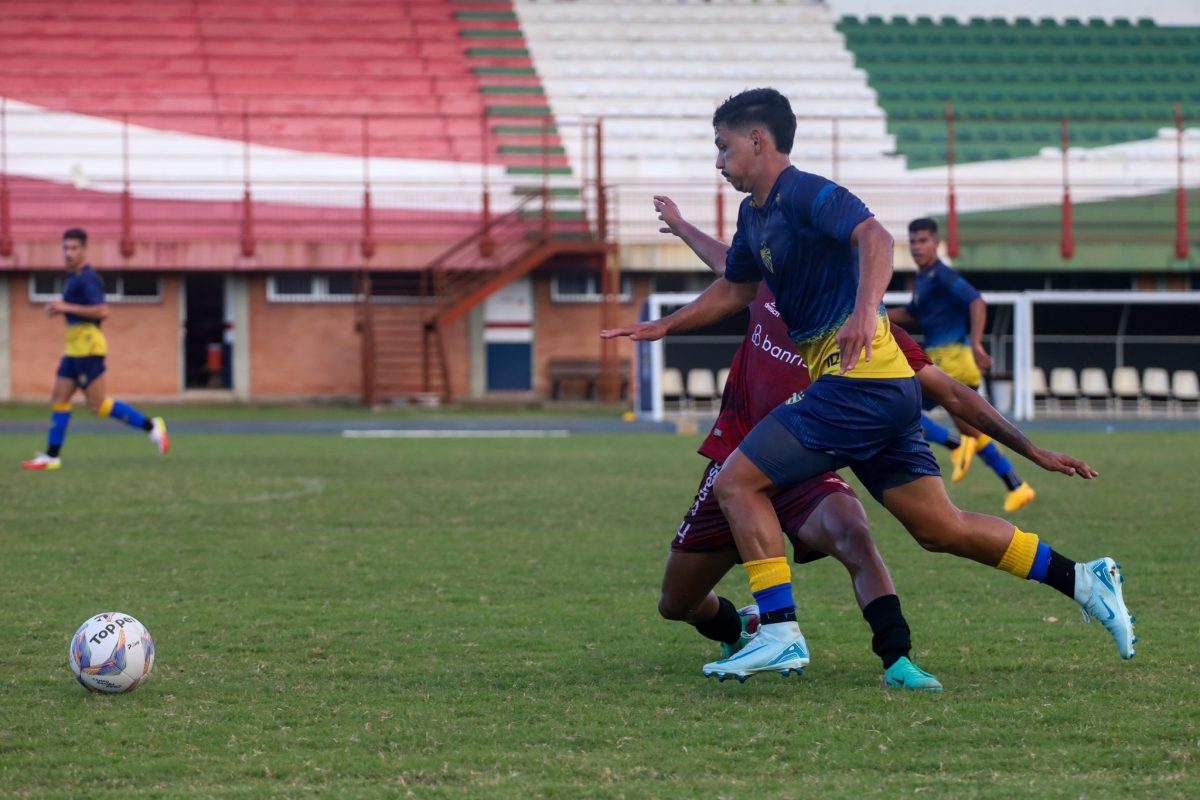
701	386
1127	389
1156	388
1041	392
1064	387
1185	388
1093	386
672	386
722	379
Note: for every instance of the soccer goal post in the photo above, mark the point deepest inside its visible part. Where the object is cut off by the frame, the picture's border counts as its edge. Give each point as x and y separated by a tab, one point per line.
1030	336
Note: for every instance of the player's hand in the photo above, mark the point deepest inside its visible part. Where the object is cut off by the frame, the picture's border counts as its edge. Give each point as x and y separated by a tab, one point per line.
982	359
856	333
639	332
668	213
54	307
1061	462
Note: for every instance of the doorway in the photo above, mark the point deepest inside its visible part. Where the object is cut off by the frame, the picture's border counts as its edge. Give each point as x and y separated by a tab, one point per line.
206	354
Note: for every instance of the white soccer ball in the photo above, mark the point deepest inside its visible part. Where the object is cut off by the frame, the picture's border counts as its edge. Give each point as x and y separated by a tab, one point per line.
112	652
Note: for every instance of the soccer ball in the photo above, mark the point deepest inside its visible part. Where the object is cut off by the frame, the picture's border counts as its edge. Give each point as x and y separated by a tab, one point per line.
112	652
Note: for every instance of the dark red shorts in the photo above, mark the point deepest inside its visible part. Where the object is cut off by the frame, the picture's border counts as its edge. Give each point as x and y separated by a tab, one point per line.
704	526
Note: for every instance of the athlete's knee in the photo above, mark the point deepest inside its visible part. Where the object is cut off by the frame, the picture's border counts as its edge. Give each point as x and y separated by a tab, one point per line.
939	534
96	405
673	608
854	538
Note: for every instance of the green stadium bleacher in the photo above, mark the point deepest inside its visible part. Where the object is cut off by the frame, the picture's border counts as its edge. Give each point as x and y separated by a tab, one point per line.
1117	81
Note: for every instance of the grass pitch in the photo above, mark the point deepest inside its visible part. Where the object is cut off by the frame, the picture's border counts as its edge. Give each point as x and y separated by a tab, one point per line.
476	619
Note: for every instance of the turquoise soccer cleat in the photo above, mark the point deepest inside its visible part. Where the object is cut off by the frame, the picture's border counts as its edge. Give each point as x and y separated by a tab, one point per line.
750	619
1098	592
904	674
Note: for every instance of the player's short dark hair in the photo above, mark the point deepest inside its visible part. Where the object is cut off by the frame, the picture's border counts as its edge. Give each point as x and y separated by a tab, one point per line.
78	234
923	224
765	107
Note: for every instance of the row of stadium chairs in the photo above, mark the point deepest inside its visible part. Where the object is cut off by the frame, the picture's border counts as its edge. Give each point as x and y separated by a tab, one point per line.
1070	23
701	391
1155	391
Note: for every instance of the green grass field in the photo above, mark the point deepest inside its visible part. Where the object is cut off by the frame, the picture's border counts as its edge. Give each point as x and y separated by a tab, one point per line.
476	619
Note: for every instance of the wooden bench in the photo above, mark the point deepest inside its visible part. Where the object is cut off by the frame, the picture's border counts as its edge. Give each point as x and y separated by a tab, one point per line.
561	370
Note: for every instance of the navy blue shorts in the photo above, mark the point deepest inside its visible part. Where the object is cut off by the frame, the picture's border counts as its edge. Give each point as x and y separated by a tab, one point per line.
870	425
81	369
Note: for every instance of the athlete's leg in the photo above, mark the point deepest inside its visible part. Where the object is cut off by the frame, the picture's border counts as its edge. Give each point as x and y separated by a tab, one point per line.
926	512
838	527
60	417
687	585
937	434
687	595
104	406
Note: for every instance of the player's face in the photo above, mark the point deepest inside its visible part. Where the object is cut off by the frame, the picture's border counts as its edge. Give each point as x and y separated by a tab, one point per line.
74	253
735	156
923	245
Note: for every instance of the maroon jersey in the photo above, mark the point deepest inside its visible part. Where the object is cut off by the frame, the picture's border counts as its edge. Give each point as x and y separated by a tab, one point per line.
766	370
918	359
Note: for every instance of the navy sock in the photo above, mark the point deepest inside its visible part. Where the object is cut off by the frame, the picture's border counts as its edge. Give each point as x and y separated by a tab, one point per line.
937	434
1000	465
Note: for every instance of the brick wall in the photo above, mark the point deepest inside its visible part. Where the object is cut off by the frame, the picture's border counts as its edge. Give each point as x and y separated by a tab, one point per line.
144	344
573	329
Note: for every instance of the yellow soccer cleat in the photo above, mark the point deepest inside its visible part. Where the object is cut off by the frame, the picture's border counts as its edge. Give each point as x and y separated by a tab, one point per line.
1019	497
962	456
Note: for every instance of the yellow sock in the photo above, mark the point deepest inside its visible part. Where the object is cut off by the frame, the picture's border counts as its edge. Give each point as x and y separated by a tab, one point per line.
768	572
983	441
1018	558
106	407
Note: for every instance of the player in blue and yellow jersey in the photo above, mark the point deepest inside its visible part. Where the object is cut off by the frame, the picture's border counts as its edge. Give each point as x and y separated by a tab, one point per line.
84	307
952	315
828	262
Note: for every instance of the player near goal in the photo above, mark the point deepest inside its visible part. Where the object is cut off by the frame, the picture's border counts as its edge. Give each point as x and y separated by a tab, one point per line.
952	315
803	235
84	307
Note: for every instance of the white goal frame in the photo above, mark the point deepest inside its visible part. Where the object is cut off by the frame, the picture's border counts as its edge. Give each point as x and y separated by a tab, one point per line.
648	397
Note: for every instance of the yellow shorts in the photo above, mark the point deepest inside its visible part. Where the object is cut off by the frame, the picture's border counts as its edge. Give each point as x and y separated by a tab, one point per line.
85	339
957	361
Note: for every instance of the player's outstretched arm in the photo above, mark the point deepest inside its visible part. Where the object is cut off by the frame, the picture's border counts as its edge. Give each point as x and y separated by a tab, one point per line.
715	303
711	251
966	404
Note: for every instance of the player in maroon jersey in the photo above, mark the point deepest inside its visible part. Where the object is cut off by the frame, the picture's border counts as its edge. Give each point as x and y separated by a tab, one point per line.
821	516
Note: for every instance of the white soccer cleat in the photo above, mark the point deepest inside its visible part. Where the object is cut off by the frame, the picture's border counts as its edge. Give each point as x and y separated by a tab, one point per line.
778	647
42	462
1098	592
158	435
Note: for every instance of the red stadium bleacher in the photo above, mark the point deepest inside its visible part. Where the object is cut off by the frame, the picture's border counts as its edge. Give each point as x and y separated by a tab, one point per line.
305	73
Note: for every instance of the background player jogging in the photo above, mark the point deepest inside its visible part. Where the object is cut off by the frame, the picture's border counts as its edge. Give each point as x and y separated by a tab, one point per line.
952	315
84	307
828	261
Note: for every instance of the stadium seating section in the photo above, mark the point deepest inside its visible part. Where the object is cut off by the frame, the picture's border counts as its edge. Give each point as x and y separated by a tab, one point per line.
1011	82
305	73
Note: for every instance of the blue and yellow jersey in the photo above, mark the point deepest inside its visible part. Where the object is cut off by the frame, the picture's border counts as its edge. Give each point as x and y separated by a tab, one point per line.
941	302
799	243
84	338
